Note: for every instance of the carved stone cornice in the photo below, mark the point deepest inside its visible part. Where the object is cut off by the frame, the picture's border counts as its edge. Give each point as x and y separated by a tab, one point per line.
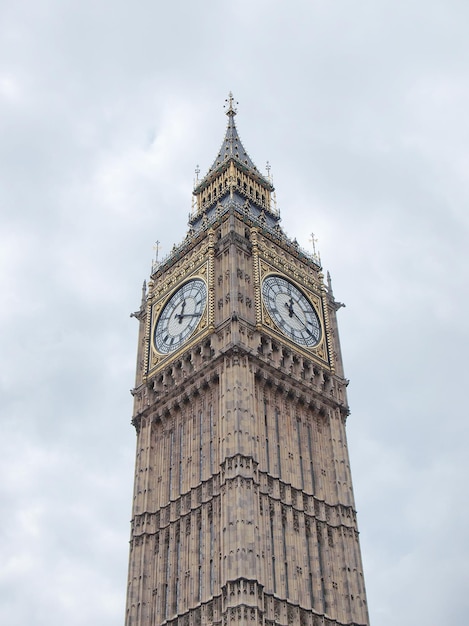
294	386
233	238
335	515
174	385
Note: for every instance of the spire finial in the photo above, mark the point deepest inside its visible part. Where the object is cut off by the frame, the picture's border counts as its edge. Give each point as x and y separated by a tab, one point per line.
313	239
156	248
230	105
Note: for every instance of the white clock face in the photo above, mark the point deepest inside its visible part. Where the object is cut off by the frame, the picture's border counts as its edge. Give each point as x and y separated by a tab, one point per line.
180	316
291	311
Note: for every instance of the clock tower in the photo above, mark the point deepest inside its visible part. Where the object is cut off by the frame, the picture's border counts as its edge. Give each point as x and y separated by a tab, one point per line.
243	509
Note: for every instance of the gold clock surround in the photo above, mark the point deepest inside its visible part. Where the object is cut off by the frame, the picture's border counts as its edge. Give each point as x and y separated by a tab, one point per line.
167	289
308	298
313	290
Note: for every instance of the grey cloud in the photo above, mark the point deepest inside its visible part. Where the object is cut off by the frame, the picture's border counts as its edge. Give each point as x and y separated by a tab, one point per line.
105	110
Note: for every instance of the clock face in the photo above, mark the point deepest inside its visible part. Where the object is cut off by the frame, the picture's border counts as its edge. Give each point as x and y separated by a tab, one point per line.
180	316
291	311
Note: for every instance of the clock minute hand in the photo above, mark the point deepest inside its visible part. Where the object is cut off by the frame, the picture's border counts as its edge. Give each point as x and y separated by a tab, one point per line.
181	315
303	323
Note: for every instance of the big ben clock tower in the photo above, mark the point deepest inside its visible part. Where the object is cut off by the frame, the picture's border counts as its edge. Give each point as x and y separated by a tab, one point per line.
243	509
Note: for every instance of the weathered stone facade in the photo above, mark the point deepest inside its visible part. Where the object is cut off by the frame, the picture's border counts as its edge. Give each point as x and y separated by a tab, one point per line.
243	508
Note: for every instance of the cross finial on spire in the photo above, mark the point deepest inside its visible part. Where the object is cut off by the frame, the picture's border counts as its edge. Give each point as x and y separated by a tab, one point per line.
156	248
313	239
231	105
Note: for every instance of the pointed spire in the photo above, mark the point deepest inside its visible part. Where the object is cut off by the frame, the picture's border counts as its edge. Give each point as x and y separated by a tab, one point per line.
232	148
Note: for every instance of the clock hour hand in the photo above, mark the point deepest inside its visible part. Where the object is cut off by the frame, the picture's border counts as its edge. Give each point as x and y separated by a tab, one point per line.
290	307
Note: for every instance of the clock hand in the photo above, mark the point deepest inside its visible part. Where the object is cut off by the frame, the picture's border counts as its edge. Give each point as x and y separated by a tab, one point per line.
182	310
292	312
303	323
290	307
181	315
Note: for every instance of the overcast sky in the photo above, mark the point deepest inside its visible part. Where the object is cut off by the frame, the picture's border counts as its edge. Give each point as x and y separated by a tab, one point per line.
106	108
